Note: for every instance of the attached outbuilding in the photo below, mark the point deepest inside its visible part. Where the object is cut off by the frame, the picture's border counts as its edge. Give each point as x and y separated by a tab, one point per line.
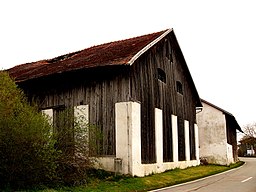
138	92
217	135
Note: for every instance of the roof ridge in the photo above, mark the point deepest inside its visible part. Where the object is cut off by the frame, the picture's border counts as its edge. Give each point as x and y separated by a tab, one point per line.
144	49
72	53
120	52
98	45
126	39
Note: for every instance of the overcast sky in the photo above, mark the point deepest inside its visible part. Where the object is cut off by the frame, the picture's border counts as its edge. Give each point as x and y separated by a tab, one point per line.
217	38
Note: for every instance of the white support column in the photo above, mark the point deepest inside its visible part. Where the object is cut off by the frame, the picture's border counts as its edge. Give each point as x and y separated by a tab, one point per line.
81	113
128	137
135	139
49	114
159	135
196	142
187	144
175	147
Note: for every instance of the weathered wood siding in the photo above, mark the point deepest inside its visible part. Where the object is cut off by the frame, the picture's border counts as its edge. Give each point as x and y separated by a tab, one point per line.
231	135
192	141
99	88
154	93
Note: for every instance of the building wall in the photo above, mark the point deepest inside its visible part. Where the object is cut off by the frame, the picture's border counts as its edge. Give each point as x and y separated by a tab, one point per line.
162	107
213	145
128	141
128	149
231	136
99	88
153	92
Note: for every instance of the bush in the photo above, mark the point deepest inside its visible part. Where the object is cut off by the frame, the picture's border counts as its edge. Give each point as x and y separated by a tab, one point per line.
33	152
27	152
76	139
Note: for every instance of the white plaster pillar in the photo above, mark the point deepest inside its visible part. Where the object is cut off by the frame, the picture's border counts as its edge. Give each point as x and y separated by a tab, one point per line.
49	114
81	113
159	135
128	137
175	147
196	141
230	158
187	144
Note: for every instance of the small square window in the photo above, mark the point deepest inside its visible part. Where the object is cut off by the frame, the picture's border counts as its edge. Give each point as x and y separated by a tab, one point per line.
161	75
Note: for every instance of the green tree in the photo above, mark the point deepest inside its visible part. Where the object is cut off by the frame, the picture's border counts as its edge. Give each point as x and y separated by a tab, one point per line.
248	141
27	153
250	130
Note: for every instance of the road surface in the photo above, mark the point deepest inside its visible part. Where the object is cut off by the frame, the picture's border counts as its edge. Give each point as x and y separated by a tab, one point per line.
242	179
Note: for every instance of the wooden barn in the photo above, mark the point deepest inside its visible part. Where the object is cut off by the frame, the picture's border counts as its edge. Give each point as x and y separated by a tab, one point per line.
217	135
138	92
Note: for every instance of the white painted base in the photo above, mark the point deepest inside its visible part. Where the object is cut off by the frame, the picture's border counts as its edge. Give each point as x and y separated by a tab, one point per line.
154	168
230	158
108	164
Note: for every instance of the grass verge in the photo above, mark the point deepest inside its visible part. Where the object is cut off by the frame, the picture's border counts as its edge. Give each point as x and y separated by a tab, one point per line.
124	183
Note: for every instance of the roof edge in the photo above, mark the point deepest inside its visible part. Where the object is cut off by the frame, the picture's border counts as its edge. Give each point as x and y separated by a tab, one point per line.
216	107
225	112
147	47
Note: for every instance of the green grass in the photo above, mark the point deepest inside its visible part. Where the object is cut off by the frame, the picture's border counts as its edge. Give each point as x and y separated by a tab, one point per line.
154	181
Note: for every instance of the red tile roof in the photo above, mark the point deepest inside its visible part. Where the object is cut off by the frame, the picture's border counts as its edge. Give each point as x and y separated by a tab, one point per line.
114	53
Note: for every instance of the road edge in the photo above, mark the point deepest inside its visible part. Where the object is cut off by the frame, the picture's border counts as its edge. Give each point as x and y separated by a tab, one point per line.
194	181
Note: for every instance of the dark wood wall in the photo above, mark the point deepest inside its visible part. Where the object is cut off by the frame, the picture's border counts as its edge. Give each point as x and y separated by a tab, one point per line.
231	134
153	92
100	88
192	141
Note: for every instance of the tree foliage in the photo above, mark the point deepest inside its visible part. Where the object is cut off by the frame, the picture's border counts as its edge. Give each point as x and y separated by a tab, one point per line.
248	141
76	138
27	150
32	151
250	130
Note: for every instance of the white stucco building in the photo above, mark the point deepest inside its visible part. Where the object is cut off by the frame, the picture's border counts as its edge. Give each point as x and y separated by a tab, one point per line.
217	135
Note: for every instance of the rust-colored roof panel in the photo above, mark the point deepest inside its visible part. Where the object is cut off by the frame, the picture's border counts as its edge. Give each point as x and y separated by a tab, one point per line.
114	53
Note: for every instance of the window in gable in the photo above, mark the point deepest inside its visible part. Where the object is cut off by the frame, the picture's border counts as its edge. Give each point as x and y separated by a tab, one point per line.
170	58
161	75
179	87
168	53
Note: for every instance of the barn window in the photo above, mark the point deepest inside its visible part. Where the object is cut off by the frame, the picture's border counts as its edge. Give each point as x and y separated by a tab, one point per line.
161	75
179	87
170	58
63	120
48	113
168	51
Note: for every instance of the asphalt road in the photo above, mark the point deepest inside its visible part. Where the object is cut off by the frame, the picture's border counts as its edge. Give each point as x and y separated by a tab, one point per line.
242	179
